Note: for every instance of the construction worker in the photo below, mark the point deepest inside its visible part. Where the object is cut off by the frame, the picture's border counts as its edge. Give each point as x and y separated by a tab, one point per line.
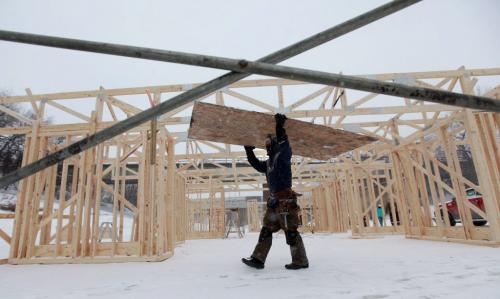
282	209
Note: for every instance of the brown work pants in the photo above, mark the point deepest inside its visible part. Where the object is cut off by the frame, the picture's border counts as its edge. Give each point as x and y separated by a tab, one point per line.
273	222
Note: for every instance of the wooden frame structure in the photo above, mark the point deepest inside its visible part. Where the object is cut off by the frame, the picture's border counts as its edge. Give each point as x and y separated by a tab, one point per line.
181	183
58	214
206	214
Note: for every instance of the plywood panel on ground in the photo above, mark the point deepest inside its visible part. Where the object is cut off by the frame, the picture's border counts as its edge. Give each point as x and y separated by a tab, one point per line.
234	126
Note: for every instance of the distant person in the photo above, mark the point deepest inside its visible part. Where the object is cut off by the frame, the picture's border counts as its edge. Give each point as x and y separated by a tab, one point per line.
380	215
282	209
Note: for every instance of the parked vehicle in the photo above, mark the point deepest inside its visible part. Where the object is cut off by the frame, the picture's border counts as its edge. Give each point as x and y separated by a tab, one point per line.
475	198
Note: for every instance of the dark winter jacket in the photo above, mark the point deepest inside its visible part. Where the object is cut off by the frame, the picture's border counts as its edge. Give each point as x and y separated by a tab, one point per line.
278	167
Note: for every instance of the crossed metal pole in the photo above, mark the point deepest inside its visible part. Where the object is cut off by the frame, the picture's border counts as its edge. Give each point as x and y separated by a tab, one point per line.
261	68
240	69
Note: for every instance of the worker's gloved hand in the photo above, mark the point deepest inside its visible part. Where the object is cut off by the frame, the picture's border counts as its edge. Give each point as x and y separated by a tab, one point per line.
272	202
249	148
280	119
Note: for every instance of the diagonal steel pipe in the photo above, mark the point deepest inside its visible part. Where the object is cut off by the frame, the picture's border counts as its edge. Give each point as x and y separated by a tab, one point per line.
204	89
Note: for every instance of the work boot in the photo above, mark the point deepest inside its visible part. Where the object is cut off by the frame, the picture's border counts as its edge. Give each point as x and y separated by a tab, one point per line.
253	262
293	266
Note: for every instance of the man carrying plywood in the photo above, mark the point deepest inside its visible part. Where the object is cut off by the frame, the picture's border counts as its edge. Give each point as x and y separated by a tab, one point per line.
282	209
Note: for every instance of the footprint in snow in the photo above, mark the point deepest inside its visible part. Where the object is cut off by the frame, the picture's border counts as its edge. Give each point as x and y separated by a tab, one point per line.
443	273
239	286
274	278
375	296
130	287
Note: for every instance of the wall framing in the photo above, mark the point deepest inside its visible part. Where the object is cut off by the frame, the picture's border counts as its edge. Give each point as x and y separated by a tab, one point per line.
174	187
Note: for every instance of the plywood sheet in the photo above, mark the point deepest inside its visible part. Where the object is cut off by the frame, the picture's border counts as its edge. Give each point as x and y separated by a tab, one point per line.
234	126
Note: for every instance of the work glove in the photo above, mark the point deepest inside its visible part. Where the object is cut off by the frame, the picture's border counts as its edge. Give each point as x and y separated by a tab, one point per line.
280	119
249	148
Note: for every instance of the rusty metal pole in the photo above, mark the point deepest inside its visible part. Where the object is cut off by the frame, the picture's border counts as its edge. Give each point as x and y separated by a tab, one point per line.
203	90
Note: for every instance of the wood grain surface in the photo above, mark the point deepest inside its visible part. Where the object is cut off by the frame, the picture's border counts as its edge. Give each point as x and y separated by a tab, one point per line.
234	126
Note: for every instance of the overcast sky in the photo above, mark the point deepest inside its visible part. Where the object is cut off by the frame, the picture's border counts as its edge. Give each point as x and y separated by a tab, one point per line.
432	35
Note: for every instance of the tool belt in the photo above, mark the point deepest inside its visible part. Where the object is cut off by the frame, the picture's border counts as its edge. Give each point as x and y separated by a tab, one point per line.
284	201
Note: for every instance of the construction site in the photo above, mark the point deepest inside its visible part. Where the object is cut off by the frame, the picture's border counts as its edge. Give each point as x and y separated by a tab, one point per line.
141	174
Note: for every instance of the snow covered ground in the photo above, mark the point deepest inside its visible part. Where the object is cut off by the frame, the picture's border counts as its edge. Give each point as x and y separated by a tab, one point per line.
106	215
341	267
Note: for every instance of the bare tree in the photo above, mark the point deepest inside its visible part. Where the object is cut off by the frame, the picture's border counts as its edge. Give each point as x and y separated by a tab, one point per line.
12	146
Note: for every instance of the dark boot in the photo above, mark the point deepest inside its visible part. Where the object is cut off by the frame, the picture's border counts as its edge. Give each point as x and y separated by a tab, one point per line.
253	262
293	266
264	245
297	249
